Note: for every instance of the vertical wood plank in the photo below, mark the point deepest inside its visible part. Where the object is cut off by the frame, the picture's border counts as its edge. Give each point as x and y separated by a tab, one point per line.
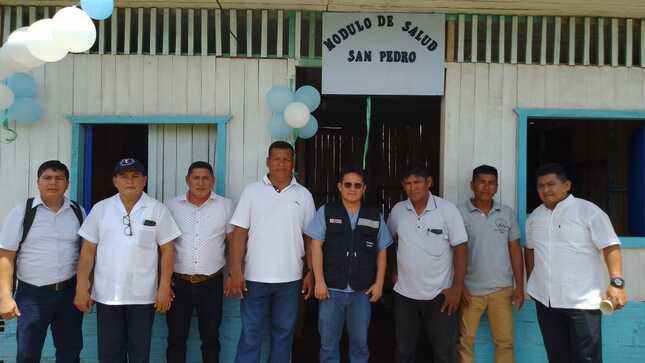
165	48
153	31
601	41
466	130
473	39
191	31
155	134
298	34
207	107
514	40
461	25
450	41
114	29
249	33
236	129
643	43
489	38
312	35
264	34
135	85
204	32
572	40
218	32
223	107
528	54
502	39
508	135
101	37
233	35
557	38
19	17
140	31
122	86
614	42
450	131
178	31
108	84
280	34
6	23
543	39
586	45
127	30
629	42
254	128
32	14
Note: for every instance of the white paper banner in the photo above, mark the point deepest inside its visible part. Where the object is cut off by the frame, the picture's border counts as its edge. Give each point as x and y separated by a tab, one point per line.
383	54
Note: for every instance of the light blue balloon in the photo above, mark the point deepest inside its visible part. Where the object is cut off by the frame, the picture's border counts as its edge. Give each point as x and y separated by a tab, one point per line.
279	97
310	96
278	127
22	85
25	110
310	128
98	9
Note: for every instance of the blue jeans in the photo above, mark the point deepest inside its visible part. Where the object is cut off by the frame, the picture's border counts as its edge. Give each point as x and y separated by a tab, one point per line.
124	332
274	305
41	308
353	309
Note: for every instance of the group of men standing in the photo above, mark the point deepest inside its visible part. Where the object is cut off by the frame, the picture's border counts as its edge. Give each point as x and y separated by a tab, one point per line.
449	264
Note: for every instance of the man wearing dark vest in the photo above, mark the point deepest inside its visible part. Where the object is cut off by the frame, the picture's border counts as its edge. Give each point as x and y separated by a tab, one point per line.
349	242
39	243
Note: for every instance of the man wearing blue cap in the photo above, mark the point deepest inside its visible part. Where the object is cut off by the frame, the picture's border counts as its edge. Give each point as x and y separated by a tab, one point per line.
122	235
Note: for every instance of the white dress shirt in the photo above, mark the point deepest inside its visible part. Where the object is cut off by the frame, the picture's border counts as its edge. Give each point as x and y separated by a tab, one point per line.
200	249
275	221
567	243
126	270
424	251
50	252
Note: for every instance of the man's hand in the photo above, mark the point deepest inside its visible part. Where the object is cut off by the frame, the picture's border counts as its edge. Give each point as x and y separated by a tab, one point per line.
235	285
452	298
465	296
163	299
8	308
617	296
375	291
308	285
518	297
82	300
321	292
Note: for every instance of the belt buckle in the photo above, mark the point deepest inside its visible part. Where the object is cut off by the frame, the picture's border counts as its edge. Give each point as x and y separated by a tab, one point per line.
192	279
57	286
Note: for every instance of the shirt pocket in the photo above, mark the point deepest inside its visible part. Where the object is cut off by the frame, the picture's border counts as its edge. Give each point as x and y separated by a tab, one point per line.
435	244
146	238
574	237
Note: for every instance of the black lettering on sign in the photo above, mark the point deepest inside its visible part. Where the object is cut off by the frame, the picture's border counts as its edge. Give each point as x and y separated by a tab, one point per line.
420	36
406	26
396	56
345	32
359	56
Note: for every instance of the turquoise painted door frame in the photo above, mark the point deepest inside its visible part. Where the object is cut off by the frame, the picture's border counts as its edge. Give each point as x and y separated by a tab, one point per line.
537	114
78	126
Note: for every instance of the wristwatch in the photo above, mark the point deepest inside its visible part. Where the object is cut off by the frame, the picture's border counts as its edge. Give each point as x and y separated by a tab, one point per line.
617	282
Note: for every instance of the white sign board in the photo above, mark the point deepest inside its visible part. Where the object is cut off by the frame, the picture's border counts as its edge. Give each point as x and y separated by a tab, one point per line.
383	54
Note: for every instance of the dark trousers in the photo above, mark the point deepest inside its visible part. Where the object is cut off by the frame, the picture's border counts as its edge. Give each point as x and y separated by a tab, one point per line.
570	335
442	329
124	332
41	308
206	298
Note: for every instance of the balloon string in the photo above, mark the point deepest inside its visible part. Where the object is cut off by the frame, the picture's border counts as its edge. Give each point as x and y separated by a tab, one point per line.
368	123
5	126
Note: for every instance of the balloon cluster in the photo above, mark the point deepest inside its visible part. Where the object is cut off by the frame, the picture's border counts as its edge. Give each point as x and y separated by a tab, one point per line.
293	111
47	40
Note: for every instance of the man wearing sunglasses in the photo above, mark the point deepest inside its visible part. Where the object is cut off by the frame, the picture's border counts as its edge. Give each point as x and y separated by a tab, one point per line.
125	236
348	251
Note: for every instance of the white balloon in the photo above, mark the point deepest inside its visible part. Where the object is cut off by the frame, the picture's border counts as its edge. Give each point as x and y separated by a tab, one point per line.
6	97
16	47
74	30
42	43
296	114
9	64
5	70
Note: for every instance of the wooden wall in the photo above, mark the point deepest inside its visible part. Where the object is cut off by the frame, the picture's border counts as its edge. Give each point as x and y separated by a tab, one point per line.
479	123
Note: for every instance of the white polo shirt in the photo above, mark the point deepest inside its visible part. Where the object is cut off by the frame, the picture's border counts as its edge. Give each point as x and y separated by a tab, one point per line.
424	253
567	243
275	221
50	251
125	271
200	248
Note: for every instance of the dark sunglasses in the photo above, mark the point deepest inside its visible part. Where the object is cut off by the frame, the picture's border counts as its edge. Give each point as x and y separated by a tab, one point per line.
349	185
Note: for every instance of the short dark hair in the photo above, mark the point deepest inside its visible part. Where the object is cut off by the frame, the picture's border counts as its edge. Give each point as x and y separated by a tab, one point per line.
552	168
352	169
416	170
484	169
200	165
283	145
54	165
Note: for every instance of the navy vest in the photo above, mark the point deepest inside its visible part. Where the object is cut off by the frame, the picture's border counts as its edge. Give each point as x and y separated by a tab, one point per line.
349	256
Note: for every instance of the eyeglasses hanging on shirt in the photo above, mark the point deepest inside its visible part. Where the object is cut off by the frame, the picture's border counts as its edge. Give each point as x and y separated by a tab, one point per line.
127	229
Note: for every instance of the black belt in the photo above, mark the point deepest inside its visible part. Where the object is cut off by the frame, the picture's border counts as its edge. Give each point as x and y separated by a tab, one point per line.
59	286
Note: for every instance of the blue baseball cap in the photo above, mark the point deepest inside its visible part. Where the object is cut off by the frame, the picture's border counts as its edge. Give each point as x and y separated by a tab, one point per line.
128	164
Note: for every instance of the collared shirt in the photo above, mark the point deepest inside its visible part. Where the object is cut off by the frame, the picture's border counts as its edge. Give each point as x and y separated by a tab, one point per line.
317	229
275	221
489	262
50	252
424	253
125	271
567	243
200	248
